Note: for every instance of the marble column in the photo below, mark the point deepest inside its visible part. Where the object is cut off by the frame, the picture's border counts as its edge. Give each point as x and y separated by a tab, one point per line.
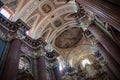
105	10
57	73
35	72
11	67
41	68
113	65
106	41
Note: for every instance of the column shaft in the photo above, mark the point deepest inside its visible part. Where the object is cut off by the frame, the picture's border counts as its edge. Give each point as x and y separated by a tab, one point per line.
106	41
41	68
114	66
11	67
57	73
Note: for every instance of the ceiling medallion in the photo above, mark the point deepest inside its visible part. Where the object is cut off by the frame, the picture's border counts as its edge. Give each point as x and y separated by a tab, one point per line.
57	22
46	8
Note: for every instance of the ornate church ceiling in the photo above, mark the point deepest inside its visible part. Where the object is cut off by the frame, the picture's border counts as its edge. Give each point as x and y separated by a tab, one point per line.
68	38
54	21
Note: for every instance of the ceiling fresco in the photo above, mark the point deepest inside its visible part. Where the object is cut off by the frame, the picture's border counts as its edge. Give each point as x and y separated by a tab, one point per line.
68	38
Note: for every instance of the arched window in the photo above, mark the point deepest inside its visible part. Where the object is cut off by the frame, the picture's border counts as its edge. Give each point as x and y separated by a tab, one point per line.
6	12
24	63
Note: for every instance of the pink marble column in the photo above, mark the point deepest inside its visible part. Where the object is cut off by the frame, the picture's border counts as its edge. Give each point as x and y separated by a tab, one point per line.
41	68
57	73
11	67
106	41
114	66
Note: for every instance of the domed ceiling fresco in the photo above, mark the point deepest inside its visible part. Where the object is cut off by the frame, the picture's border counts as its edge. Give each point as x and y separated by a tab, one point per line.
68	38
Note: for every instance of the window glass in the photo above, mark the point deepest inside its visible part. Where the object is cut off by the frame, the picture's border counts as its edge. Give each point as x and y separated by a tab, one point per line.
5	13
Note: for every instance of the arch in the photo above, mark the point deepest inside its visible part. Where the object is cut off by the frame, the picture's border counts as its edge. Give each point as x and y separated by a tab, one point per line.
32	21
19	6
59	30
45	34
70	16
